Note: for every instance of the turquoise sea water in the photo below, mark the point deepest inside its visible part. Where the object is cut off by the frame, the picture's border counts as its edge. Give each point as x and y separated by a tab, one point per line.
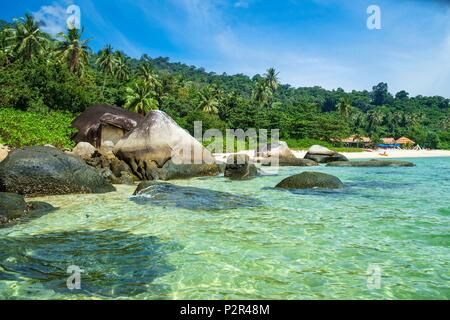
281	245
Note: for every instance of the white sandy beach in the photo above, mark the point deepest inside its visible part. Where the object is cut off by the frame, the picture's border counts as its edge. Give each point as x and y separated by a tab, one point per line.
376	154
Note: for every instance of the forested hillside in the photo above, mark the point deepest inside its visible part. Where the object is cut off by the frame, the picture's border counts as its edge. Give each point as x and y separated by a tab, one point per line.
43	75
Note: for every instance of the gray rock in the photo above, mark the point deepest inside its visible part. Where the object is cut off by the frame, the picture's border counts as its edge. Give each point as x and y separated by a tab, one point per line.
281	154
238	167
84	150
40	171
321	154
13	207
169	195
294	162
372	163
311	180
160	149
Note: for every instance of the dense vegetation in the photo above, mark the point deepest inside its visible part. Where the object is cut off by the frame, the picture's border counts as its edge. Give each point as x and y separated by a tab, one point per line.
49	78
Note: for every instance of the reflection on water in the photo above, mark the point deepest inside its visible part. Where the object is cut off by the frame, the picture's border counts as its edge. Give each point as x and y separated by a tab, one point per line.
115	263
208	242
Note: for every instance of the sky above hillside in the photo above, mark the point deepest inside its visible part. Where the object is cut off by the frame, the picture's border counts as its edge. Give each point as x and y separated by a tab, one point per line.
310	42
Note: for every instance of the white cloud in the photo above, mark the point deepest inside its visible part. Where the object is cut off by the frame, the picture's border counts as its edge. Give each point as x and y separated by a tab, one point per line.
52	18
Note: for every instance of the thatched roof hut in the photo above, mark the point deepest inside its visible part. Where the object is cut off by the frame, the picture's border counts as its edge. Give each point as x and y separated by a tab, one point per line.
388	140
405	140
102	123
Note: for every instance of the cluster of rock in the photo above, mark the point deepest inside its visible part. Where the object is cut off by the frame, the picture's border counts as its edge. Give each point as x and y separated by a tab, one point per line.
372	163
41	171
321	154
103	159
280	154
14	207
239	167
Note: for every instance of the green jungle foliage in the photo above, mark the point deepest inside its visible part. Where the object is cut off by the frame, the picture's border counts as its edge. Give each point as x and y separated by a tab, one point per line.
52	77
24	128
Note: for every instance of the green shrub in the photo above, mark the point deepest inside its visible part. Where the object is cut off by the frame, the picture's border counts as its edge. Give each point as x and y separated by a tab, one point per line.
305	144
27	128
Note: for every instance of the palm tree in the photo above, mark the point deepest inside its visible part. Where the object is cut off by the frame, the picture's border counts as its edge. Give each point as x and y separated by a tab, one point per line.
122	69
26	38
209	101
271	78
344	107
375	119
74	51
106	63
140	98
147	74
262	93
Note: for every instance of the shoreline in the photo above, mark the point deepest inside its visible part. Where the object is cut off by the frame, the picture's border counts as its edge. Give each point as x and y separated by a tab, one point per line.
376	154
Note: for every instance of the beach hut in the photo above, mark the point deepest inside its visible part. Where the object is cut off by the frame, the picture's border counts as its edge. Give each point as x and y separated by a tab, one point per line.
356	141
101	123
404	141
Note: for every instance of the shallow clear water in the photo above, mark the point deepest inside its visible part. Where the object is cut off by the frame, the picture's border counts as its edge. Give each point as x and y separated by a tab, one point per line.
279	245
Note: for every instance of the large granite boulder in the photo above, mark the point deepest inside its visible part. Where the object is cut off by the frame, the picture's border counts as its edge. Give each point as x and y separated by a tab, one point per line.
372	163
159	149
40	171
311	180
324	155
4	150
281	154
165	194
239	167
84	150
14	207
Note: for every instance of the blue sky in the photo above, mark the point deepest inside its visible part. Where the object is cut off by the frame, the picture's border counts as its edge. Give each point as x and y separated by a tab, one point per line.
311	42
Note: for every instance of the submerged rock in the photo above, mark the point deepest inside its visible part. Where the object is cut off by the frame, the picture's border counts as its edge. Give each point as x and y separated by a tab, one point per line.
238	167
372	163
159	149
311	180
167	194
324	155
14	207
40	171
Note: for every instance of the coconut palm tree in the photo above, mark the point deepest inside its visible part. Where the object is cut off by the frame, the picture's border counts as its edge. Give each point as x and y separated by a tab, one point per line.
122	68
106	63
261	93
344	107
147	74
375	118
209	101
73	51
140	98
26	39
271	77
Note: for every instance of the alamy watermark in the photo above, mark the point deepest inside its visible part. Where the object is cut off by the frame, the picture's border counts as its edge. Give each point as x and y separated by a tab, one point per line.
374	19
261	142
74	19
374	277
74	280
